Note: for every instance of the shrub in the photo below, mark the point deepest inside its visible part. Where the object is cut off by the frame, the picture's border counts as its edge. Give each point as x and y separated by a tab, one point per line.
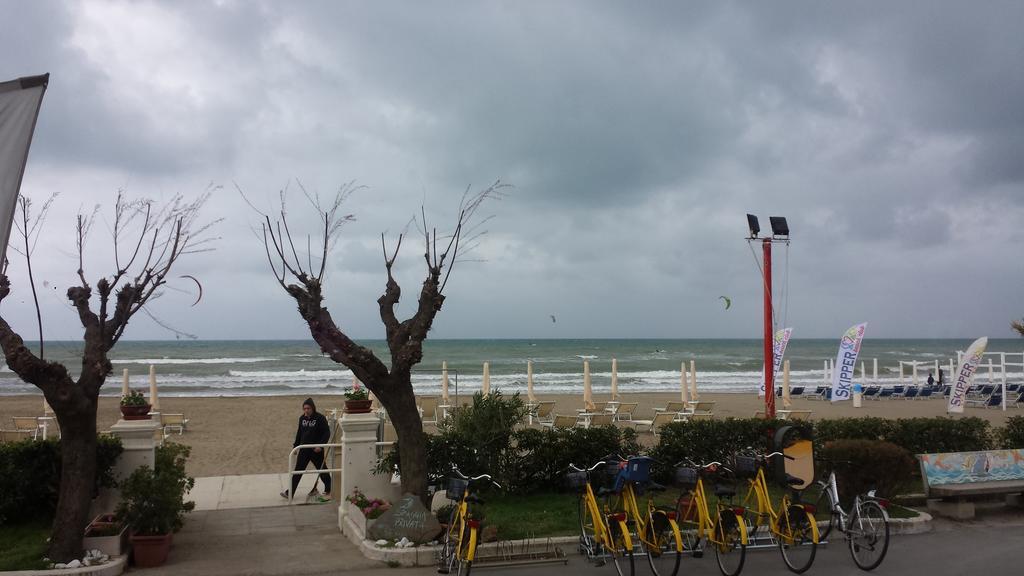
942	434
30	476
541	458
1012	436
872	464
703	441
153	499
864	428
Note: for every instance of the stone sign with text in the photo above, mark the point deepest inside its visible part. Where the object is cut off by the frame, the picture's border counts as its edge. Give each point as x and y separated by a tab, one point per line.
407	518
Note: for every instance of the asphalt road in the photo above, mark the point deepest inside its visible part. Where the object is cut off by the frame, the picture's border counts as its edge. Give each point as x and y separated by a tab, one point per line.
993	547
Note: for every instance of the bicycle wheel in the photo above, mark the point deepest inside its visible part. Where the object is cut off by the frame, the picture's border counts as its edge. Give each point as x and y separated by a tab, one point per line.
450	544
621	553
730	550
686	516
467	542
662	546
796	540
589	546
868	535
824	513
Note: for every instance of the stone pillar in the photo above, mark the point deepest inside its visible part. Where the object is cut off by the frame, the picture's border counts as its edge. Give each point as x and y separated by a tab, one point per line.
139	440
358	459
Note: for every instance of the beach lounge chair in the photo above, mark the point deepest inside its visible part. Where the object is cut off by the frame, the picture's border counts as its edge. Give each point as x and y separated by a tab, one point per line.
625	411
427	405
871	393
26	425
171	422
702	407
759	414
799	415
671	407
598	408
700	416
885	392
819	393
562	421
925	393
898	391
911	392
1019	401
995	401
544	412
796	391
659	420
606	419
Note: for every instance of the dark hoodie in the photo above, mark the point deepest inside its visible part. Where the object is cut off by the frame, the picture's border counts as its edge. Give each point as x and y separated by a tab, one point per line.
314	429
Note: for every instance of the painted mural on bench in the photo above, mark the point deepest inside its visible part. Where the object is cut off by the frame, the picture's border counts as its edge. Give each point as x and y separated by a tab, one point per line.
965	467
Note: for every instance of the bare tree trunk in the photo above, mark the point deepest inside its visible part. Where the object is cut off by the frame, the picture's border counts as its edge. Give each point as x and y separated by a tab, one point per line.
77	476
401	407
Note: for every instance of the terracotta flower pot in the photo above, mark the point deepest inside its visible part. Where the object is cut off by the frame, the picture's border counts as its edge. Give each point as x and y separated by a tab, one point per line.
358	406
136	412
150	551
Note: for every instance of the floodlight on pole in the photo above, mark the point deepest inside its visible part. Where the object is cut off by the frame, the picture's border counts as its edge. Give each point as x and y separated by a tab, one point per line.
780	233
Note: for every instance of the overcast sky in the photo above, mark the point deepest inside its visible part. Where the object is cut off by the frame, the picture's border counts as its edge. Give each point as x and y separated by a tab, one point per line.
636	136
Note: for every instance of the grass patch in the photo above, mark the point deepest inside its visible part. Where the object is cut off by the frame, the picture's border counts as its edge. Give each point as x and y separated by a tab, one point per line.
22	546
897	511
533	516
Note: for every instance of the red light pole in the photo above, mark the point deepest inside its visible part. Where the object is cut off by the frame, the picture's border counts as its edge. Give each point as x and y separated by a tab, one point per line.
780	233
769	336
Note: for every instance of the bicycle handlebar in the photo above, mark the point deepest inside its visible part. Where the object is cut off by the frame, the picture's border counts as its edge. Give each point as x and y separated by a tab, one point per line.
456	470
591	469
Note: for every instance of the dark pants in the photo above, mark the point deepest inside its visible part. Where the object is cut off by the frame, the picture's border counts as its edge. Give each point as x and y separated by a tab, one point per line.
306	455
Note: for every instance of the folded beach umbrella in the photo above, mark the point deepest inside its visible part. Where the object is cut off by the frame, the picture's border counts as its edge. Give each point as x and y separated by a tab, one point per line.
124	384
588	394
444	381
615	380
786	402
154	400
682	383
529	381
486	388
693	380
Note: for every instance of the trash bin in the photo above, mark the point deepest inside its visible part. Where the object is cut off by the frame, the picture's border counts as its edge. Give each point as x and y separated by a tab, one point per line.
858	395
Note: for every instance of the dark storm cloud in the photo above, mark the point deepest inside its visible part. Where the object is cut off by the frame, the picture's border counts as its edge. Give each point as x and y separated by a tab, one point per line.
636	135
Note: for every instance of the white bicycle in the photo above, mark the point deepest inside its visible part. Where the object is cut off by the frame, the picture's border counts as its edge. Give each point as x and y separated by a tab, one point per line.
866	526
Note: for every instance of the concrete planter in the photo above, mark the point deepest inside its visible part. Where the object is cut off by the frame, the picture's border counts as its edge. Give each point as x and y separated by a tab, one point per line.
111	545
362	523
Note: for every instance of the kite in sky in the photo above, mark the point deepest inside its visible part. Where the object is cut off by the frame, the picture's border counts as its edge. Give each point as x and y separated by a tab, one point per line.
728	301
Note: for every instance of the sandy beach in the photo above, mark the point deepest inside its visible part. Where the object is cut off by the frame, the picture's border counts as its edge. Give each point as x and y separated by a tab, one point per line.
252	435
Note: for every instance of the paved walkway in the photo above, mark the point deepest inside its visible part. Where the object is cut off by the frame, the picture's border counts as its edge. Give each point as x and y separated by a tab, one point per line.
241	525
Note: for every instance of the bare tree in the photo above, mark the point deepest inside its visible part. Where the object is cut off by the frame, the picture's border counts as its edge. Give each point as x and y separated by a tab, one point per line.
148	242
391	384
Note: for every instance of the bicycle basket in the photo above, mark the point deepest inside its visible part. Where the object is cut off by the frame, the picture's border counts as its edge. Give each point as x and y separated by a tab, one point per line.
745	467
686	476
638	469
456	488
576	480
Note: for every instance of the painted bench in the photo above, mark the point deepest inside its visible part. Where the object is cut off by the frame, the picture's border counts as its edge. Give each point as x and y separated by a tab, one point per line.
953	479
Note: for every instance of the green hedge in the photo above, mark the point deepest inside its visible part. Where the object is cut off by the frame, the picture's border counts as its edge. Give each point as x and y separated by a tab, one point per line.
916	435
704	441
30	476
1012	436
872	464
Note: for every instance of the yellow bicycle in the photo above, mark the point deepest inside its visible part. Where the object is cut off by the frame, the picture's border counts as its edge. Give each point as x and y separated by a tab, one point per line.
791	524
655	528
462	536
725	530
603	533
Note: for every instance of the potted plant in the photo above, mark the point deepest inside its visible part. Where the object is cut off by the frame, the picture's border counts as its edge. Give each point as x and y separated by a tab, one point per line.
134	406
357	400
153	504
106	534
365	510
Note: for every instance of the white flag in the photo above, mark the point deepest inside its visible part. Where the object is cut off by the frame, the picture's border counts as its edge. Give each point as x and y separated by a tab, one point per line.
966	370
846	362
19	108
778	351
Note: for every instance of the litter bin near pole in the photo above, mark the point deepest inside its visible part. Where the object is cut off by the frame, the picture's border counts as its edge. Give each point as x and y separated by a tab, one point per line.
858	394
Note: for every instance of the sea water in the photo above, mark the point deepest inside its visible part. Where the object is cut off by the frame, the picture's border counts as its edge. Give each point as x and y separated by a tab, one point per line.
269	367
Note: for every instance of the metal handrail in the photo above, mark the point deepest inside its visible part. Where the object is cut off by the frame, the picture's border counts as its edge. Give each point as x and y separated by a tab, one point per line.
291	463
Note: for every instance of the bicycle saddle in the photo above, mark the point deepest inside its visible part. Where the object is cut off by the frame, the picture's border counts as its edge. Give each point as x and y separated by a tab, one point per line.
726	491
